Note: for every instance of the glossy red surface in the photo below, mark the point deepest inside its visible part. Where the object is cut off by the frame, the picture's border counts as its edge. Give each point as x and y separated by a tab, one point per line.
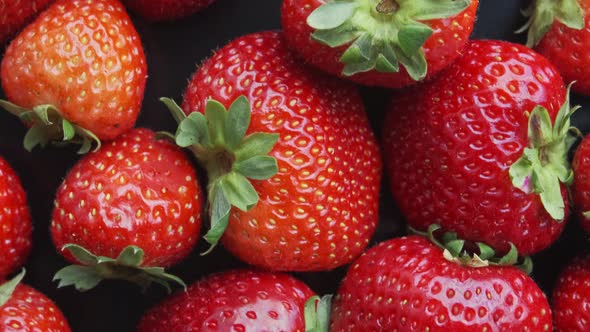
571	297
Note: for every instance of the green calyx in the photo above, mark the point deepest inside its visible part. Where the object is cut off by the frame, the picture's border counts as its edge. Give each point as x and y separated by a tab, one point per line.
474	255
317	313
232	159
382	33
127	266
8	288
542	13
48	126
544	165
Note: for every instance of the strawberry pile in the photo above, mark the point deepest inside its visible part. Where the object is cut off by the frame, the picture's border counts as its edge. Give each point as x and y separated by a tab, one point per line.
372	165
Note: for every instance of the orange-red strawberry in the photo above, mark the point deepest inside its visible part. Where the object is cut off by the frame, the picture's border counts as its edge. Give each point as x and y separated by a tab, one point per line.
581	185
389	43
15	221
131	207
312	204
24	309
77	72
570	297
15	13
166	10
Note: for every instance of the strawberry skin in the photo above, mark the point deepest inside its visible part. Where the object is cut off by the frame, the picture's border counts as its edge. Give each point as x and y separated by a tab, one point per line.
245	301
135	190
15	13
15	220
166	10
321	209
570	297
581	186
445	44
406	284
450	144
85	58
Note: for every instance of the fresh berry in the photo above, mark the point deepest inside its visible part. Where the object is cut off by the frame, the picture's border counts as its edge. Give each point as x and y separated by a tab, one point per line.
15	13
389	43
407	284
24	309
135	191
482	150
166	10
581	185
571	296
560	30
15	222
77	73
321	207
244	301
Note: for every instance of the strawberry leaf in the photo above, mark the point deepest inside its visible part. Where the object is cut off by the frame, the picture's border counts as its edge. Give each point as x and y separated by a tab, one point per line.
257	167
237	122
239	191
331	15
8	287
543	13
255	145
413	36
220	209
317	313
216	115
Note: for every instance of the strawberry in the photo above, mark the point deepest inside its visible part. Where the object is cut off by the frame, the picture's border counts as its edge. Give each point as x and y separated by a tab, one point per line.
15	14
15	222
166	10
570	297
409	284
245	301
24	309
482	150
312	200
126	209
581	185
77	73
560	30
388	43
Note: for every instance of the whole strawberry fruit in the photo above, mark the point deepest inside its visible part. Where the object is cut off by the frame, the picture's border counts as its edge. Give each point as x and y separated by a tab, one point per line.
14	14
388	43
76	73
482	150
570	297
312	204
560	30
166	10
581	185
123	211
409	284
24	309
15	222
245	301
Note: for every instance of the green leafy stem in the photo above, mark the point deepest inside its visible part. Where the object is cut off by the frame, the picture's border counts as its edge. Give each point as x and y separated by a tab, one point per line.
543	13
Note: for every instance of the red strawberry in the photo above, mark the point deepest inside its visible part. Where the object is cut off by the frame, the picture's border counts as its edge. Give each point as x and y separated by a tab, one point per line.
482	150
581	186
136	202
409	284
24	309
15	13
560	30
570	297
244	301
387	43
166	10
321	208
15	222
78	70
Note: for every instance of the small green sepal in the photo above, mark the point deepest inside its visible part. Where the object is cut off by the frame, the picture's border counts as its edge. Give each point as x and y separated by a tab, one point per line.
542	14
317	313
127	266
7	288
586	214
47	126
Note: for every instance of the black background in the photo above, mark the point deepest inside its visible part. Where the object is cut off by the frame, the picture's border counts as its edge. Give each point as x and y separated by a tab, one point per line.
173	50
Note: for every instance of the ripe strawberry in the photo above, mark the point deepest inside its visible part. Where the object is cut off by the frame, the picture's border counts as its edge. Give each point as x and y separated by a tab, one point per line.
560	30
15	222
570	297
244	301
78	71
136	202
389	43
24	309
409	284
15	13
166	10
321	208
581	185
459	153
